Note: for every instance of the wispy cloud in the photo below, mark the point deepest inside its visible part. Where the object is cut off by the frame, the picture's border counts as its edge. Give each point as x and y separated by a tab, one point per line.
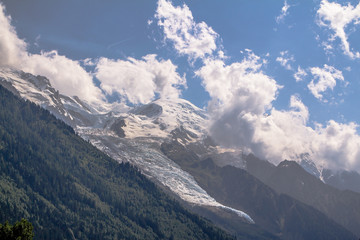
336	17
285	59
284	12
115	44
300	74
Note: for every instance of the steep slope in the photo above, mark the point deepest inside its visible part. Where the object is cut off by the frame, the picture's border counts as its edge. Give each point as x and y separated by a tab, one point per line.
135	136
127	135
343	180
280	214
290	178
342	206
70	190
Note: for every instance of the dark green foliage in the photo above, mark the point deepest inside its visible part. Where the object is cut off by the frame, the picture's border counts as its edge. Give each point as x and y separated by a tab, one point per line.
70	190
21	230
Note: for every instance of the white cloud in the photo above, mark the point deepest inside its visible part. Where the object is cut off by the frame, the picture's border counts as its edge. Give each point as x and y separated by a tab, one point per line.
338	145
240	81
12	49
284	12
285	59
238	92
242	116
337	17
64	74
241	111
242	96
326	77
285	135
139	81
300	74
197	40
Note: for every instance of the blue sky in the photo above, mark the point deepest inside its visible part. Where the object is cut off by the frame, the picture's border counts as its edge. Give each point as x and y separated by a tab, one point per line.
318	38
119	29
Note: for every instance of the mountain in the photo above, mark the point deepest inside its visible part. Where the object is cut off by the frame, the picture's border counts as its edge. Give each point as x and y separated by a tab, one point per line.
301	180
343	180
127	135
277	213
68	189
342	206
340	179
137	135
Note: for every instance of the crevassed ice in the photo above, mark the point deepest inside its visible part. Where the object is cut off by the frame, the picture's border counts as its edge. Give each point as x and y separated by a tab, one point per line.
155	165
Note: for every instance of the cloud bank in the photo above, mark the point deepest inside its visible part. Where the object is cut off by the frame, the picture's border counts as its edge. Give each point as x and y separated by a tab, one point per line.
137	81
65	74
336	17
242	113
242	116
242	95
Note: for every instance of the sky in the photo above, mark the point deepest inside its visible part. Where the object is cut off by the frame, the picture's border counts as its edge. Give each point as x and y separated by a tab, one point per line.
278	78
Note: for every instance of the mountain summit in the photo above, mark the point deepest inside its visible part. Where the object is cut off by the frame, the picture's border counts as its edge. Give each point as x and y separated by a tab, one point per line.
167	140
127	135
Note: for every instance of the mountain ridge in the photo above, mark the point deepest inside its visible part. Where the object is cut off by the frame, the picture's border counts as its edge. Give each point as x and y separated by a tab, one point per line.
136	135
69	189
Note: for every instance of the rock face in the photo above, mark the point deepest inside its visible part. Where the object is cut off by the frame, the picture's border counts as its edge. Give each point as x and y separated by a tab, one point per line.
280	214
148	110
117	127
343	180
68	189
129	135
228	186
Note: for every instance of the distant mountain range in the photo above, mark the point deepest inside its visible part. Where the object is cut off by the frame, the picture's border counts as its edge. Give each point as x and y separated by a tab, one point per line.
167	141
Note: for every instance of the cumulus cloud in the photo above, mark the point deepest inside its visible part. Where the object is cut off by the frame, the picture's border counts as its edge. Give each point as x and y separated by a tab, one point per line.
242	82
241	105
64	74
284	12
300	74
197	40
238	92
242	116
337	18
285	59
286	135
326	79
137	81
12	49
140	81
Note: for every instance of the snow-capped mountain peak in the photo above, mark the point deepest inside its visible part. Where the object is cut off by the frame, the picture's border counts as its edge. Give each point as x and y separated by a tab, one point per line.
132	135
161	117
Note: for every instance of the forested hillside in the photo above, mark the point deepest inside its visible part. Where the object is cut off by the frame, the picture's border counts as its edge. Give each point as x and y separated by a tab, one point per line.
70	190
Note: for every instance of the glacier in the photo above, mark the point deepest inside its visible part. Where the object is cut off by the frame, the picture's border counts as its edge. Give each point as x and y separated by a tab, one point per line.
145	128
